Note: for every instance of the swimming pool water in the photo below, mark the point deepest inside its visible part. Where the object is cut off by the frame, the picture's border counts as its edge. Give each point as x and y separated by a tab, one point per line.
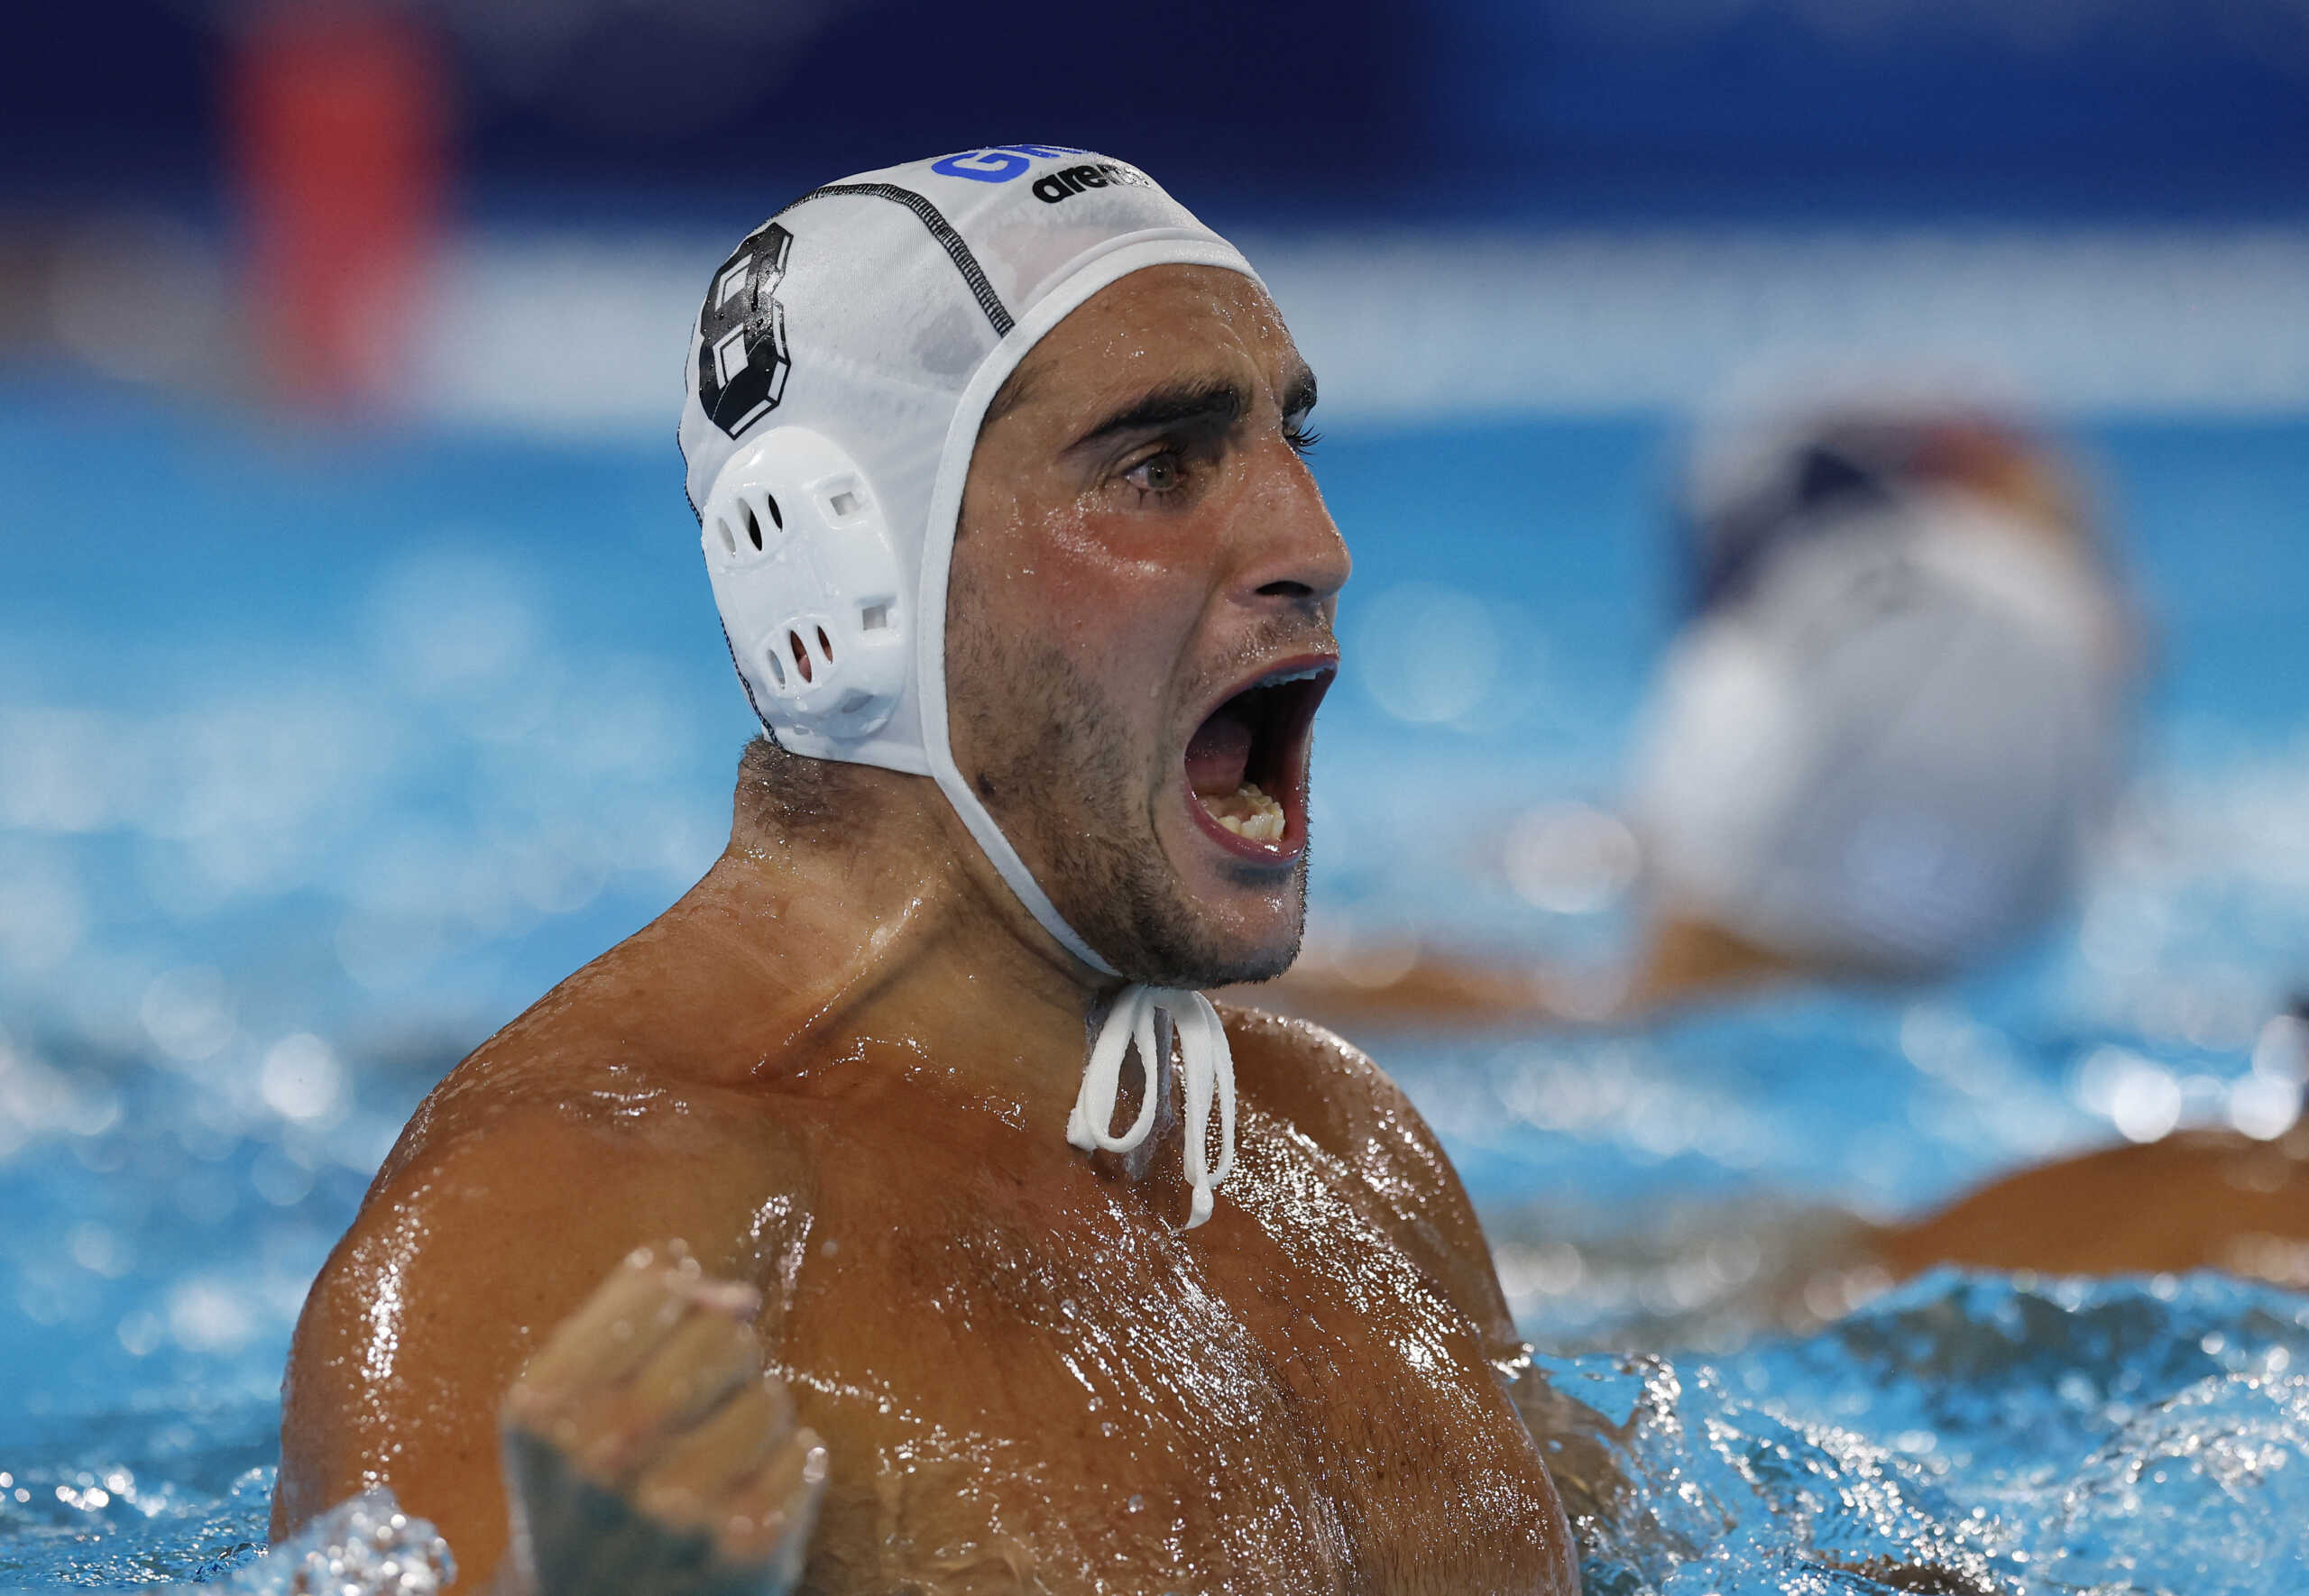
2138	1435
319	759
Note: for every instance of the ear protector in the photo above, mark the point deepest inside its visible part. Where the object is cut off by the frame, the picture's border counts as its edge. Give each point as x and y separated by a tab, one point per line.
797	547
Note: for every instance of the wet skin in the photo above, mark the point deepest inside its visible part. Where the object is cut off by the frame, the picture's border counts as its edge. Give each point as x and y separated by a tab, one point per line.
840	1068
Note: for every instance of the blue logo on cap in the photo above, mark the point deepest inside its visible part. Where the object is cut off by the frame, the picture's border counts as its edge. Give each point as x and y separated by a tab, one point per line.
1000	164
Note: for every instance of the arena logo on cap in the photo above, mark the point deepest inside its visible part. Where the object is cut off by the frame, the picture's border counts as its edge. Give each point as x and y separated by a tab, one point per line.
1064	185
999	163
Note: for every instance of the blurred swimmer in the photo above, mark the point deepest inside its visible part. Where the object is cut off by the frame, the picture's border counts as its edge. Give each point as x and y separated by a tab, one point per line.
1895	712
1875	751
1880	757
1876	748
998	465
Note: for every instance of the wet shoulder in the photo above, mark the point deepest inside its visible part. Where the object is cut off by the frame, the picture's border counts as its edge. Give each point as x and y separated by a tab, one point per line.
525	1177
537	1167
1325	1085
1332	1093
579	1131
640	1049
511	1194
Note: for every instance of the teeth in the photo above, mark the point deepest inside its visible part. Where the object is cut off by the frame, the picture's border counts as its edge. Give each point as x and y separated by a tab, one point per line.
1309	675
1249	813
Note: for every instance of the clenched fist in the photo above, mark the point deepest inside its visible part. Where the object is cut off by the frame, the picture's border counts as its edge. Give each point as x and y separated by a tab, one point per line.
648	1453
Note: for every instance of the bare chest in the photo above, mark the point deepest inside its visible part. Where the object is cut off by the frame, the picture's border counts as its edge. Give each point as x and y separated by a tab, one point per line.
1034	1383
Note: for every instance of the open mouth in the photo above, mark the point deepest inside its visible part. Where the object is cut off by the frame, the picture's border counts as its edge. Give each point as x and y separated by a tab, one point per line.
1247	763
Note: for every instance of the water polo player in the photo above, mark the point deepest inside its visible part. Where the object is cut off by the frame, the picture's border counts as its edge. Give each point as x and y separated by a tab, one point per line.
998	463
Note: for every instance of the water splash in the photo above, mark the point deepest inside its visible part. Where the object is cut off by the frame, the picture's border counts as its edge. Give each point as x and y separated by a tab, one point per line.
1986	1433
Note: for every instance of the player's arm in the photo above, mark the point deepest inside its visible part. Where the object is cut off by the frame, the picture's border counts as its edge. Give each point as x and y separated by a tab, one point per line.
475	1245
2194	1199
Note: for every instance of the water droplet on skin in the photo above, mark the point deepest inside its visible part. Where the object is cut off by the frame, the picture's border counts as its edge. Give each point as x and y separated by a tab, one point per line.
1136	1502
829	1247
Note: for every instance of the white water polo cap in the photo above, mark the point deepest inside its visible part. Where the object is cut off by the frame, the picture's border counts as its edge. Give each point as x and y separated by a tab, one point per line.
838	371
1886	733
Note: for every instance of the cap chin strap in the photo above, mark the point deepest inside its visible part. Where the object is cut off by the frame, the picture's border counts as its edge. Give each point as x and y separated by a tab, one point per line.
1145	1017
1209	1070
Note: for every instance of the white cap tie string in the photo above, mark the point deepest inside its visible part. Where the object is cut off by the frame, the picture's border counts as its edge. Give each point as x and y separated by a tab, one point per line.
1143	1016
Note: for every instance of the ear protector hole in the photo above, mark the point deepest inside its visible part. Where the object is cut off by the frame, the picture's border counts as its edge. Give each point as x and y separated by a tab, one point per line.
728	538
777	666
801	654
825	645
873	618
753	527
776	518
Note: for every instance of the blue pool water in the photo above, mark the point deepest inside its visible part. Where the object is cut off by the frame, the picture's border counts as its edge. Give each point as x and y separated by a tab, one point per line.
319	759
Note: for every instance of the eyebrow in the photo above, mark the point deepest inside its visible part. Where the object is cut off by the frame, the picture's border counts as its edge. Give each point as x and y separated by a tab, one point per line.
1212	401
1206	400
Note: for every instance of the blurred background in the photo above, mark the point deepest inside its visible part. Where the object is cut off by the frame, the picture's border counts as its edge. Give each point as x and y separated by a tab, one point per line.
358	678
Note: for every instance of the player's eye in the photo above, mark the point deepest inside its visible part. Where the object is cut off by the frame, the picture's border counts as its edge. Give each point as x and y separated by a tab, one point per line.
1157	473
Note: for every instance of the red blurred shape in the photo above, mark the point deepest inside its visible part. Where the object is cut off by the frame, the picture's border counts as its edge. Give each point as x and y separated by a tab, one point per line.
338	115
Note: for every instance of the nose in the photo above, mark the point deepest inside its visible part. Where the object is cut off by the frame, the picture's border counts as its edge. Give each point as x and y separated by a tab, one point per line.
1293	556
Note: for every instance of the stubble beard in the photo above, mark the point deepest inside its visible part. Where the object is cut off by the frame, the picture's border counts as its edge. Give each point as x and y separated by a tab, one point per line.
1055	770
